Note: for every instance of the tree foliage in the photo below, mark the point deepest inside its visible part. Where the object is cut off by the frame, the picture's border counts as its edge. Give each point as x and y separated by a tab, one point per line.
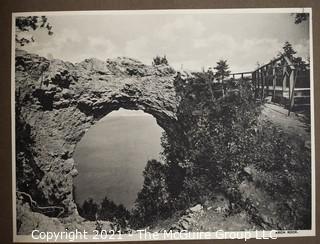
160	60
216	137
288	50
222	70
89	209
109	210
152	201
30	23
105	210
300	17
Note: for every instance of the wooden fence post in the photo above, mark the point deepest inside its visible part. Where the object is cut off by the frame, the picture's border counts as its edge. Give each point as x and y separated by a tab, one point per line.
258	83
274	80
253	76
284	81
262	82
267	78
292	80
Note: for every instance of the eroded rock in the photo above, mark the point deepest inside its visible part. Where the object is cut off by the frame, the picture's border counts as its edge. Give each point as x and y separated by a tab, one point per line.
58	101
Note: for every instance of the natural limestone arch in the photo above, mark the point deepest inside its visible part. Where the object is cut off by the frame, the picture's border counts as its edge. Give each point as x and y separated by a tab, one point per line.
56	102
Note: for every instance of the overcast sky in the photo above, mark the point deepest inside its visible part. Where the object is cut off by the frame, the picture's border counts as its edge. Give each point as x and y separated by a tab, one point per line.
125	112
193	40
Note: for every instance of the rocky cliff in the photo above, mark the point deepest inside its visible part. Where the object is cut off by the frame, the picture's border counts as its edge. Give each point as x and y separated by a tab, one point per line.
57	101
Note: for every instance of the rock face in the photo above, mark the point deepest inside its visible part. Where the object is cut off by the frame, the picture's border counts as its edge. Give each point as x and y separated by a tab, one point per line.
56	102
29	221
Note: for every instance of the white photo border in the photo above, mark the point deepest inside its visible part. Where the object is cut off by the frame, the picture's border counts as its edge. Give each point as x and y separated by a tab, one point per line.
137	237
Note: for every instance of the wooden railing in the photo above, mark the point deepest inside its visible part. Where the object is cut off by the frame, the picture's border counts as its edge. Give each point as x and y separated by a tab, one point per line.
279	79
241	75
285	82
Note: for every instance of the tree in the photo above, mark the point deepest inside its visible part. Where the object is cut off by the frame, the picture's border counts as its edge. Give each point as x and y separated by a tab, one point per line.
30	23
300	17
112	212
160	60
222	70
89	209
109	210
290	53
152	200
288	50
105	210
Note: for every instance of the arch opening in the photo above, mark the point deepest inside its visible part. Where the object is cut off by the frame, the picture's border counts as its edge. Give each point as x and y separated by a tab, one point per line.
111	156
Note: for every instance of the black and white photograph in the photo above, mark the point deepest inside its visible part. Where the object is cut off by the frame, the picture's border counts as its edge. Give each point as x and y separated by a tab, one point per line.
162	124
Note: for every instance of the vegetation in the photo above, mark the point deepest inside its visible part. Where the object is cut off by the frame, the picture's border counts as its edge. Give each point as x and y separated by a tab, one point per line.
89	209
152	203
106	210
26	24
215	140
289	51
160	60
300	17
222	70
205	155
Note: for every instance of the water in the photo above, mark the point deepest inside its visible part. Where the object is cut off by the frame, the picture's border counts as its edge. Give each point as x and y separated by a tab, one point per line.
111	156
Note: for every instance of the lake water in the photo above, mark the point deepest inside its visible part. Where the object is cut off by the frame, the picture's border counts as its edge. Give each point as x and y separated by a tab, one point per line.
111	156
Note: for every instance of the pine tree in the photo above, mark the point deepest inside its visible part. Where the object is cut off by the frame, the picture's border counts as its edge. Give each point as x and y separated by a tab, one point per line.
288	50
152	200
222	70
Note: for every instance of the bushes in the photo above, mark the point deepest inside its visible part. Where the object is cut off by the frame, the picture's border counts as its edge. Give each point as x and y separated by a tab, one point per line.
109	211
89	210
160	60
214	141
206	154
106	210
219	137
284	168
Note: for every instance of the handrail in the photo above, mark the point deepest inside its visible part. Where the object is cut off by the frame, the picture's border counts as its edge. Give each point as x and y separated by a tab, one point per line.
286	58
288	61
240	73
272	61
266	78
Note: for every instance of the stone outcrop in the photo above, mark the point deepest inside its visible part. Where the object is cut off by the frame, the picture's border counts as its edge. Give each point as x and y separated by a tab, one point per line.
29	220
56	102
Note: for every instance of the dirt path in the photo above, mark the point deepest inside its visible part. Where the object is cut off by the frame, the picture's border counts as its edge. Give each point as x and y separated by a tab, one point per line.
294	124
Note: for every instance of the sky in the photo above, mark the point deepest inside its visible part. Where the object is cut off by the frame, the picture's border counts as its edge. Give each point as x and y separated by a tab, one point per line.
190	40
125	112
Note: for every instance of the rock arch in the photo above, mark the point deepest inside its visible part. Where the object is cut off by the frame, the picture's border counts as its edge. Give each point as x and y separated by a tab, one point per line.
56	102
